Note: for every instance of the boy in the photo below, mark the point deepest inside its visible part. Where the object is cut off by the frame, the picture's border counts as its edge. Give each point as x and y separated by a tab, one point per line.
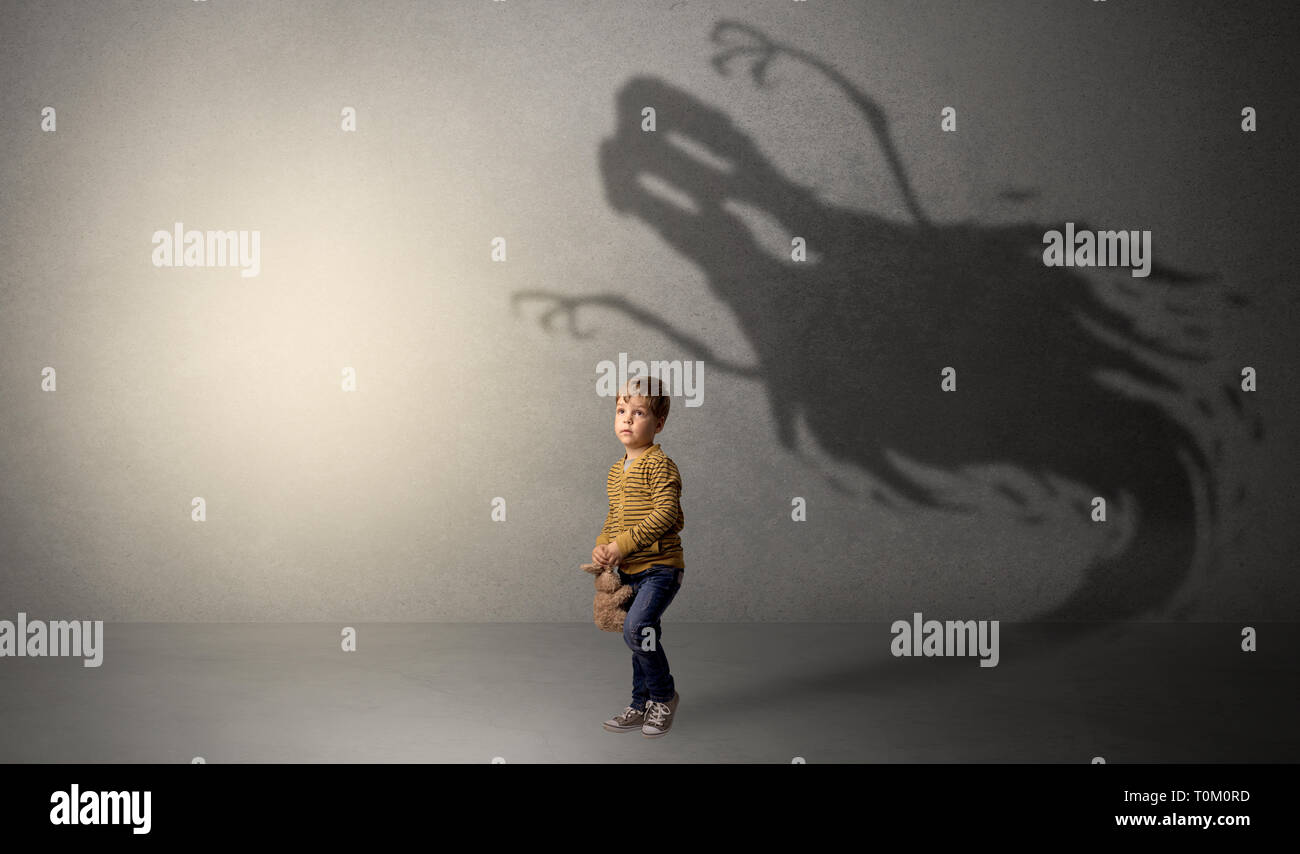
640	538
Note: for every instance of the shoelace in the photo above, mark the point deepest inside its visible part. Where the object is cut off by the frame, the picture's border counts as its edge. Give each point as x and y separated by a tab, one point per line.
656	713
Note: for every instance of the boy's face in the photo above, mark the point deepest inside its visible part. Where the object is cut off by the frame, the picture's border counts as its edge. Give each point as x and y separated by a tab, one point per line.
634	423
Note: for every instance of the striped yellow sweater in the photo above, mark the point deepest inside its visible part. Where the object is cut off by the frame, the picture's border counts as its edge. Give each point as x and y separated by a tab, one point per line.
645	512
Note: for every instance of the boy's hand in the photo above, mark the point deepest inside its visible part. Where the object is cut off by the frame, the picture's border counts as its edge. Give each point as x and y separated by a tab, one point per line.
606	555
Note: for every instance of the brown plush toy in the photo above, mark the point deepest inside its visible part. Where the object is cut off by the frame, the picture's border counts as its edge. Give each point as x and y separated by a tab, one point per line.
612	597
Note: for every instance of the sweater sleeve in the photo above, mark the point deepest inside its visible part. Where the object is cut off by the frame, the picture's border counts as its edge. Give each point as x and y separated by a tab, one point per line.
604	536
666	490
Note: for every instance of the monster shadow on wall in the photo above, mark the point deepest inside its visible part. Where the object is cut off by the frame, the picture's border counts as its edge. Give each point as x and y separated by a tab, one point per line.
889	304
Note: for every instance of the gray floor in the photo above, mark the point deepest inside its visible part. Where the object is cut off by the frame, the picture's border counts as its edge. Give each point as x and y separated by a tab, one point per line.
465	692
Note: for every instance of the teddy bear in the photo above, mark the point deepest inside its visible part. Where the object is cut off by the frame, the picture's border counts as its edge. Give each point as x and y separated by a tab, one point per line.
612	598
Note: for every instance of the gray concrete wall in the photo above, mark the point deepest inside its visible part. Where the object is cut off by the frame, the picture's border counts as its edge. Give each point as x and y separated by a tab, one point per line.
484	120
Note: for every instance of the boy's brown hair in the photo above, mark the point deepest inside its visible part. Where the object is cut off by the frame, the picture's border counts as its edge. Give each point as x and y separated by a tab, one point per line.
641	386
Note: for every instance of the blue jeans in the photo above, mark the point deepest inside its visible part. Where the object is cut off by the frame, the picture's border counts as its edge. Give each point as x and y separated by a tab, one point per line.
653	590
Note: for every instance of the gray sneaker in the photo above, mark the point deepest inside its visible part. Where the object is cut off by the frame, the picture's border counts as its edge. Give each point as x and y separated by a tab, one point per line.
659	717
628	720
